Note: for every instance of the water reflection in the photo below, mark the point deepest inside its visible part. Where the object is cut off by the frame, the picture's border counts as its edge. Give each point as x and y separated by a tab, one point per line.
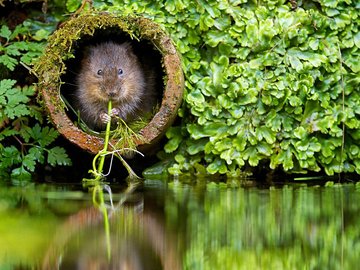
138	239
280	228
182	226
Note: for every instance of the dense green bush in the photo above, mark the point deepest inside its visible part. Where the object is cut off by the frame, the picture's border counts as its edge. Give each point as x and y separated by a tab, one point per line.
26	140
267	84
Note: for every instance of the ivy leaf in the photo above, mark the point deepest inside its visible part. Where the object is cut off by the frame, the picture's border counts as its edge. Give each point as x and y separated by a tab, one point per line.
264	84
58	156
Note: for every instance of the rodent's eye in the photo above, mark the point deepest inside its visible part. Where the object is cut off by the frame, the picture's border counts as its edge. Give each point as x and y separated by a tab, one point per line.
100	72
120	71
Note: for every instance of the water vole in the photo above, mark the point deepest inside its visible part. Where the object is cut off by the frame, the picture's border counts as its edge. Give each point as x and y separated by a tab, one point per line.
111	71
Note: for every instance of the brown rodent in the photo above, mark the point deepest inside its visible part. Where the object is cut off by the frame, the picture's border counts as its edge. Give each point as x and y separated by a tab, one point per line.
111	71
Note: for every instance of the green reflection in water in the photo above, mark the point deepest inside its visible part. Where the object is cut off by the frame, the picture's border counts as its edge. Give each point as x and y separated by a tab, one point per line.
203	226
29	217
277	228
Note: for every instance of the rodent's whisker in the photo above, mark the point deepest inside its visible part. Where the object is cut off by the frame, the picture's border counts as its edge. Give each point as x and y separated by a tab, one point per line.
72	84
73	72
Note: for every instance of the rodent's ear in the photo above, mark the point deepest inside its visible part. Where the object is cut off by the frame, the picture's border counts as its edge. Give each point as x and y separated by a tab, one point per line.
86	51
127	45
85	57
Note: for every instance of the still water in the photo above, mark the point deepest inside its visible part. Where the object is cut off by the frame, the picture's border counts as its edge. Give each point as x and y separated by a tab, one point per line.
173	225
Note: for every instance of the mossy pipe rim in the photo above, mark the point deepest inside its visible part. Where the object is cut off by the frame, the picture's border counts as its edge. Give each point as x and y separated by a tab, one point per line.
60	46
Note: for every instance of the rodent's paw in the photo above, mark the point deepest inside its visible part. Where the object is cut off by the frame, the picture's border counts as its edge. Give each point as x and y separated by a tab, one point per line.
115	112
105	118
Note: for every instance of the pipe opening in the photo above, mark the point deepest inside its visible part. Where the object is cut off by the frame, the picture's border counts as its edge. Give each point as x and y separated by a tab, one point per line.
143	51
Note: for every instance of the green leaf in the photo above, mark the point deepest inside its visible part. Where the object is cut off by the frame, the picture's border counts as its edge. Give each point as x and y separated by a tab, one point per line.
14	99
266	133
29	162
295	62
20	173
6	85
58	156
197	146
9	156
240	142
251	154
285	158
172	144
13	111
213	38
352	61
14	48
252	32
357	39
37	153
8	62
217	166
264	149
196	97
215	129
5	32
44	136
72	5
175	138
225	101
7	132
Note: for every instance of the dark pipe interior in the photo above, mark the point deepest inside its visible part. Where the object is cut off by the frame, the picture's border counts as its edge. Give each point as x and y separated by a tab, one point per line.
144	49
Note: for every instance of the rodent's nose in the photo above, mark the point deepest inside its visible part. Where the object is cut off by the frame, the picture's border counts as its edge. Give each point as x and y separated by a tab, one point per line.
111	94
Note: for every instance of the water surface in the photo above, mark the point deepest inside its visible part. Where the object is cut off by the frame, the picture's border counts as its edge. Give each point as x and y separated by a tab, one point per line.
173	225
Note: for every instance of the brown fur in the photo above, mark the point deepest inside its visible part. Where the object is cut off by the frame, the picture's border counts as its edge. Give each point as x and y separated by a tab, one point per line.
132	93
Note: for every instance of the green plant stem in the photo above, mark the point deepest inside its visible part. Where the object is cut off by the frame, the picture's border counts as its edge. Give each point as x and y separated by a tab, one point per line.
106	144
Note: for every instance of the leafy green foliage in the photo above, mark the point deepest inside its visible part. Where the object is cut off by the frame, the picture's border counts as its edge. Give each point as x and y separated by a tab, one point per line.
34	141
24	139
266	84
13	100
14	51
